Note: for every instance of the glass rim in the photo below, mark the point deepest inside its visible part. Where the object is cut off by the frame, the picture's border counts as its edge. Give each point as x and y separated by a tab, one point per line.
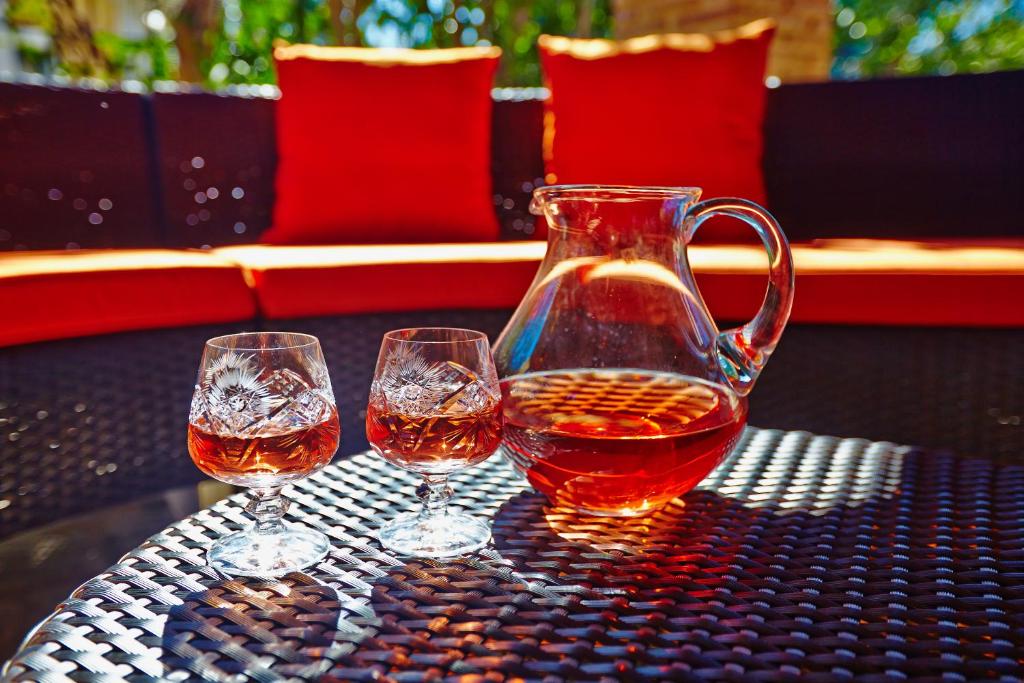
302	340
471	336
621	191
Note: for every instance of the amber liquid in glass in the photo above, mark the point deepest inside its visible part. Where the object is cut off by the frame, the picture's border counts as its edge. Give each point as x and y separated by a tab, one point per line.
269	459
434	444
618	442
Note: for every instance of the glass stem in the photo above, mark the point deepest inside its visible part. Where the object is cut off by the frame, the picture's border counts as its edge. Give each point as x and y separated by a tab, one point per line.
268	506
434	493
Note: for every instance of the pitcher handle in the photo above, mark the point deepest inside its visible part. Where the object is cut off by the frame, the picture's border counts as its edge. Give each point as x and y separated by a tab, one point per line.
743	351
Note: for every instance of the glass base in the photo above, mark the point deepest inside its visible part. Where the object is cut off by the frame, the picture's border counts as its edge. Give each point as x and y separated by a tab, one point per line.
248	553
442	536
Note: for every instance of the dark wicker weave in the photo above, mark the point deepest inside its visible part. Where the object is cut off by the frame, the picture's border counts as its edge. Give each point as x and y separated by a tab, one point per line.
216	157
958	389
85	423
75	169
801	555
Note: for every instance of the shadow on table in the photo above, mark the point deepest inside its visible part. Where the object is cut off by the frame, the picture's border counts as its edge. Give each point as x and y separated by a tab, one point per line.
871	576
536	603
544	598
682	548
854	578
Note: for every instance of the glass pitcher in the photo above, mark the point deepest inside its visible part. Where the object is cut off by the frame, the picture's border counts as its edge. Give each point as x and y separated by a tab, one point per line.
620	392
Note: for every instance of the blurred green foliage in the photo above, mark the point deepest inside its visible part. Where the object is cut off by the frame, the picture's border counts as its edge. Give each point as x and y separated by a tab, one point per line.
233	46
516	25
241	46
236	48
904	37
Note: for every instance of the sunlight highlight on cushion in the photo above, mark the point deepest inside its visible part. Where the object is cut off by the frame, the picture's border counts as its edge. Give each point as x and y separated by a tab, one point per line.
59	294
869	282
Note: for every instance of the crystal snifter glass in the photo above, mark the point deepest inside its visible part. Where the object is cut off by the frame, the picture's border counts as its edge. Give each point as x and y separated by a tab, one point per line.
435	408
263	415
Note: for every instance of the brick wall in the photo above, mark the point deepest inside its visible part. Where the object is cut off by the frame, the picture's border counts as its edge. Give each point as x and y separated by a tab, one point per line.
802	50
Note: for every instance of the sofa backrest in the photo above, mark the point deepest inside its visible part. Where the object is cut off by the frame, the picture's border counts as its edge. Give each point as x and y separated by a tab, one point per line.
913	157
216	159
909	157
75	169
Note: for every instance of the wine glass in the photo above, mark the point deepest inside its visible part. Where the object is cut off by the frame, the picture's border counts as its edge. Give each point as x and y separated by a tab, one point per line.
262	416
435	408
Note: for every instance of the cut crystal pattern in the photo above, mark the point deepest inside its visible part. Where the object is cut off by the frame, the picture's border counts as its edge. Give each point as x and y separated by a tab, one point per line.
234	395
300	404
414	386
233	398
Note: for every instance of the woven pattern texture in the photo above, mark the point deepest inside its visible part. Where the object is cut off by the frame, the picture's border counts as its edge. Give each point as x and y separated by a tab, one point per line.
90	422
799	555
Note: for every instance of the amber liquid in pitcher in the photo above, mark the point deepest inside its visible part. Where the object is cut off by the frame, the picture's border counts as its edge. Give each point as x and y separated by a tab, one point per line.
617	442
271	458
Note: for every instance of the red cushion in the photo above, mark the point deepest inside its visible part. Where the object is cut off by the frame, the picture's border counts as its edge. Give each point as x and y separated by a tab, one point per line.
379	146
672	110
869	282
875	282
294	282
59	294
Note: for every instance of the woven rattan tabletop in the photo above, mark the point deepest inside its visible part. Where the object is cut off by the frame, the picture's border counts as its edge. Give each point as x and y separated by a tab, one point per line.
831	558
